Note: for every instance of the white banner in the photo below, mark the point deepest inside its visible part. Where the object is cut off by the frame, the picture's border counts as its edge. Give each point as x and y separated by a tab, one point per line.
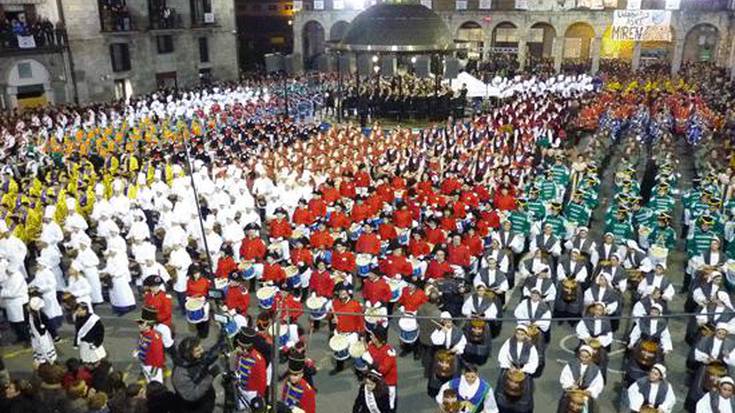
673	4
634	4
642	25
522	4
318	4
461	4
426	3
26	42
486	4
298	5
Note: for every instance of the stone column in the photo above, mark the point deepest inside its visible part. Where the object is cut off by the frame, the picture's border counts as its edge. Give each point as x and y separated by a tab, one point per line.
298	39
522	52
677	56
636	63
557	52
595	47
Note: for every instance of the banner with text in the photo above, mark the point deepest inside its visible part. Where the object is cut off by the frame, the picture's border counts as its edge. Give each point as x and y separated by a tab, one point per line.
642	25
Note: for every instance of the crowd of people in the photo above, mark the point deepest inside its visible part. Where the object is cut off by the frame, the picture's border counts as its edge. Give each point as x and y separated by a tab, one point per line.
43	31
210	205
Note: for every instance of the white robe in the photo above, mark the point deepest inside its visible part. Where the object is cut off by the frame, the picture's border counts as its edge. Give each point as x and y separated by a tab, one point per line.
121	295
14	295
636	399
45	282
87	262
567	381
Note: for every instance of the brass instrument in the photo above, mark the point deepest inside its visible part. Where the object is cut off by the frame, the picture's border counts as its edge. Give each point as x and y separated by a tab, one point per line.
706	330
477	330
635	276
445	364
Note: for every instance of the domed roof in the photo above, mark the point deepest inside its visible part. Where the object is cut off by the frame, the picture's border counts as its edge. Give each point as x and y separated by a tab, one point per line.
389	27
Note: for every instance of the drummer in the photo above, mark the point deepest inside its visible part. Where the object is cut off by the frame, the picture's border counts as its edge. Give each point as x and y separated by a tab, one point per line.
517	353
412	299
382	357
581	374
657	279
595	327
652	390
719	400
472	390
350	322
237	296
197	289
156	297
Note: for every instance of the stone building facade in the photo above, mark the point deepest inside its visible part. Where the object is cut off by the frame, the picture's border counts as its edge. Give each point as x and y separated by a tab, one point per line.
119	48
557	30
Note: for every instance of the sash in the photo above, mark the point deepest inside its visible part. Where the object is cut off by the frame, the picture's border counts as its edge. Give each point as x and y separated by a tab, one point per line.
244	369
540	310
292	394
370	402
86	327
645	327
480	305
477	399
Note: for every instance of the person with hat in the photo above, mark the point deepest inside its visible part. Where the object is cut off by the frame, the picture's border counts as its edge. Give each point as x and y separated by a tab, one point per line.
297	392
375	289
662	234
237	296
86	262
382	357
343	259
45	284
321	237
90	334
117	272
518	353
372	396
252	247
652	390
42	341
150	350
473	391
581	376
651	328
657	279
557	221
273	272
279	231
250	369
346	316
447	336
156	297
720	399
593	328
197	288
606	249
577	211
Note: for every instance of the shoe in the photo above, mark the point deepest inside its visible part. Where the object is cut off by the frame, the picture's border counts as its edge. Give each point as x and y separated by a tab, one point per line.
334	371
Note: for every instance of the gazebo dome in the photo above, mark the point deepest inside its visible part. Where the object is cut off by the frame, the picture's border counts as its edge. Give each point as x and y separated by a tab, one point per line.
398	28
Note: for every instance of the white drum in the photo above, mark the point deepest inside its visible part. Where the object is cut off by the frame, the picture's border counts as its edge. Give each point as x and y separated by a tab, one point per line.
339	343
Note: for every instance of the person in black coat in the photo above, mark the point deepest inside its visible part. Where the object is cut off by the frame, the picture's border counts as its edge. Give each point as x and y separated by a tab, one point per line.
373	393
160	399
193	374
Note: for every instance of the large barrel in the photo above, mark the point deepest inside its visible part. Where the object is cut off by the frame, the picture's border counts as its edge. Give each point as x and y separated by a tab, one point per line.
646	353
712	374
569	290
477	331
513	384
445	364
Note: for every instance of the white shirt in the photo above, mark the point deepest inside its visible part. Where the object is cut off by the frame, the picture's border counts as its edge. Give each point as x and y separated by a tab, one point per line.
636	399
567	380
466	391
703	405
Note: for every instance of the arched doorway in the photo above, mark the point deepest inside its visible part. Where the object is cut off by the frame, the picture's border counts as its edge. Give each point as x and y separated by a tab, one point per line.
29	85
700	44
505	36
577	45
313	36
540	42
338	30
471	36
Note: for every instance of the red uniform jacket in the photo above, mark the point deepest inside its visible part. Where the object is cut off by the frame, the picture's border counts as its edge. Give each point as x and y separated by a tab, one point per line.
321	283
300	395
376	291
411	302
289	306
279	228
252	249
450	185
504	203
362	179
437	269
250	372
418	248
162	303
360	212
347	190
225	266
384	358
329	194
339	220
238	298
368	244
458	255
343	261
318	207
435	236
321	239
348	323
274	273
387	232
392	265
303	216
150	349
301	255
474	244
403	218
448	224
197	288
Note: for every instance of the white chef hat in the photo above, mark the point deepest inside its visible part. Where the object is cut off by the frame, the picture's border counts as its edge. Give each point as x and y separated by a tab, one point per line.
661	369
726	380
445	315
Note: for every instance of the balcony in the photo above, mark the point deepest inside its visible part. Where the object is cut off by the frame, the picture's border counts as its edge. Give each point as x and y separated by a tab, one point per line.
115	16
202	14
38	41
165	19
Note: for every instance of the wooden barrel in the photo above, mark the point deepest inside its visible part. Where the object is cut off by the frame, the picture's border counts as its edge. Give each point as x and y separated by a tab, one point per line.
648	409
646	353
576	401
712	375
445	364
569	290
513	384
477	331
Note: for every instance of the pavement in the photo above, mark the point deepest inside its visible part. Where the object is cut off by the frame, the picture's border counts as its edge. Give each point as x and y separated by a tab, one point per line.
336	394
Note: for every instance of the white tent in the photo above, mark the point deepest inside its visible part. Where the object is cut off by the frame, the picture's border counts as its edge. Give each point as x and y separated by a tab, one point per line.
475	86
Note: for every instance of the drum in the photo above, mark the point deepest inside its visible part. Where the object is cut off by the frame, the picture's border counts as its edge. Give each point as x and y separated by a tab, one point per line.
395	289
409	329
477	331
364	264
265	296
355	231
356	350
248	270
220	283
569	290
706	330
195	310
373	315
644	231
646	353
445	364
282	333
596	346
293	276
298	233
576	401
339	343
534	332
712	375
317	307
659	253
649	409
513	384
570	227
384	248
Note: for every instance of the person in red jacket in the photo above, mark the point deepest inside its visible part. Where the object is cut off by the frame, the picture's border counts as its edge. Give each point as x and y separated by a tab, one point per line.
301	256
375	289
347	189
474	242
197	289
458	254
321	237
302	215
386	231
412	298
504	200
237	296
368	242
395	264
360	211
382	357
279	227
438	268
448	222
330	194
347	317
150	350
434	235
272	271
338	220
155	297
252	247
250	369
317	206
362	177
226	263
418	247
343	260
403	218
297	392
